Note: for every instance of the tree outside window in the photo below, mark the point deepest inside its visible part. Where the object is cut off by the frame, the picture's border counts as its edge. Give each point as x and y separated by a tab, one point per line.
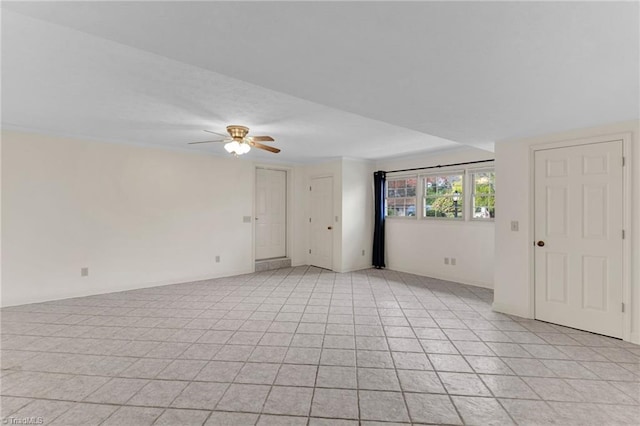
483	195
444	196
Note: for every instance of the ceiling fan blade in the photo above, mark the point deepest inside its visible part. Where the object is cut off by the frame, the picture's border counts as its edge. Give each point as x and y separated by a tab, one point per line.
216	141
216	133
262	138
265	147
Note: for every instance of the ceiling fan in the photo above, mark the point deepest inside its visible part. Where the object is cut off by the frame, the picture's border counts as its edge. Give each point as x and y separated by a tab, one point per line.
239	143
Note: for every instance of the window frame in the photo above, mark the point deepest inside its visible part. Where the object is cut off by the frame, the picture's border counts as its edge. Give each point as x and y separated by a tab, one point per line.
386	191
468	193
462	217
472	193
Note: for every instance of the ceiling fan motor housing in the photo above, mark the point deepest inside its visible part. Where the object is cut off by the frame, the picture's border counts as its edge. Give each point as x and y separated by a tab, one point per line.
238	132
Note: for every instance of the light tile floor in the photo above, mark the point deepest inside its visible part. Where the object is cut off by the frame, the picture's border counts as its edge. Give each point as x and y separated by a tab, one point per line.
305	346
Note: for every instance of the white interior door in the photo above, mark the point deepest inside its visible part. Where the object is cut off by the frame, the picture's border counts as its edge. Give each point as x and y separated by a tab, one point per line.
321	253
271	213
578	232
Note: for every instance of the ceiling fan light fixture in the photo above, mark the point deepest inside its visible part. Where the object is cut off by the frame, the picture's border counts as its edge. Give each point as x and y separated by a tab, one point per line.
237	148
231	146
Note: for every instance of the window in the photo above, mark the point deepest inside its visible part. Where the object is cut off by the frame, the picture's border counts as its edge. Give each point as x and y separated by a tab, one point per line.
444	196
462	194
483	195
401	196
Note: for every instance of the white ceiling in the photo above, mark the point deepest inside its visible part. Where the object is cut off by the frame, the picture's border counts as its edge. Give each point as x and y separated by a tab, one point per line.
326	79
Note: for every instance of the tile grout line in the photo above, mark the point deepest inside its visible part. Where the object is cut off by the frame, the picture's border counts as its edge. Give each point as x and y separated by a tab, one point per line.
446	390
287	291
393	360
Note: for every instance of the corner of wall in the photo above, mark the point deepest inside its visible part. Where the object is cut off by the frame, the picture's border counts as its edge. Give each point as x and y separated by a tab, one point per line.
511	310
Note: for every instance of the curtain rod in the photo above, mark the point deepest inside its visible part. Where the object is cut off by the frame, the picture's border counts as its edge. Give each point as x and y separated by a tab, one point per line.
440	165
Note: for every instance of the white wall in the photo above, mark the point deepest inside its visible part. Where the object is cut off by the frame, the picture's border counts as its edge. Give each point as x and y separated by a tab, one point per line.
419	246
357	214
300	216
513	283
140	216
134	216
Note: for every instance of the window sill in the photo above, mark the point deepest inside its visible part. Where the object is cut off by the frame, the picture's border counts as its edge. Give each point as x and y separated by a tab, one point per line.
401	217
442	221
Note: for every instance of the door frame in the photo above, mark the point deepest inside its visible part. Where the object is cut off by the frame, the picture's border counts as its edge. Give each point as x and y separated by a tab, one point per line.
288	209
627	199
333	216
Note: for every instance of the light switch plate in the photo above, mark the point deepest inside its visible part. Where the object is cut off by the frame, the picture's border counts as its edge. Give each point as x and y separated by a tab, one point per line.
246	219
515	225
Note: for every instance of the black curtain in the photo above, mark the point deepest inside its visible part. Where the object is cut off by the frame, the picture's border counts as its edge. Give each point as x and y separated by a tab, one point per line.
379	180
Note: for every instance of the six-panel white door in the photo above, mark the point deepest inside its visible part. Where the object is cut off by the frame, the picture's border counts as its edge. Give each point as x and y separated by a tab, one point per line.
321	222
578	237
271	213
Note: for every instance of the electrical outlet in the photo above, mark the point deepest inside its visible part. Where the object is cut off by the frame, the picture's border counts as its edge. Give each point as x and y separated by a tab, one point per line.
515	225
217	259
363	252
446	260
84	272
453	261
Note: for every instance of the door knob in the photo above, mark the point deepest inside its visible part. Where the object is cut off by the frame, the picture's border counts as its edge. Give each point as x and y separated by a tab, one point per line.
541	243
329	227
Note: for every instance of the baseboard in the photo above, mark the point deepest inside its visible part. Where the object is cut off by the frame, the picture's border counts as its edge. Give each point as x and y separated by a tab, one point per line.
442	277
118	289
510	310
355	268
